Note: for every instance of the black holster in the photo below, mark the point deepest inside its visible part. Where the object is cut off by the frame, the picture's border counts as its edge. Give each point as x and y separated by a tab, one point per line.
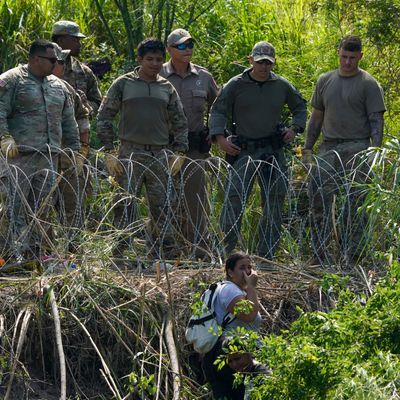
277	139
238	142
199	141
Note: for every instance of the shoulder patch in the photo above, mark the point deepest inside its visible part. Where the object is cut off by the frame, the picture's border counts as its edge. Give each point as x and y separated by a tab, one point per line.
3	83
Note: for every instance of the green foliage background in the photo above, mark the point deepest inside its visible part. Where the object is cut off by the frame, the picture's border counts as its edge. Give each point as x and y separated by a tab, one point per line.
304	32
352	352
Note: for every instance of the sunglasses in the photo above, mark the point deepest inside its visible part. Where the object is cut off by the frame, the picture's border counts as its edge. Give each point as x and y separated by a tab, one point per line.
53	60
184	46
264	62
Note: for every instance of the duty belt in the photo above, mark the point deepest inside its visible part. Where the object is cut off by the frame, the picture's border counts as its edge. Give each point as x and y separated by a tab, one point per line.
338	141
150	147
244	143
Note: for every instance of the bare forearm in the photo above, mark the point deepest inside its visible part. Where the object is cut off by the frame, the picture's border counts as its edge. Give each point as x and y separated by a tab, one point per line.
252	296
313	132
376	123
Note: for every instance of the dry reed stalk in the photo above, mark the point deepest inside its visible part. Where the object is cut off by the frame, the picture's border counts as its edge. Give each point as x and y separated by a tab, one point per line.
2	329
20	314
277	314
21	339
106	373
160	360
173	355
366	279
39	321
60	349
117	335
264	310
334	226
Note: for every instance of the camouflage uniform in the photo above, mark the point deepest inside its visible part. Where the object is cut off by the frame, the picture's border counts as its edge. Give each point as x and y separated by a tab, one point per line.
73	187
347	102
82	79
80	110
77	74
256	109
39	115
197	91
149	113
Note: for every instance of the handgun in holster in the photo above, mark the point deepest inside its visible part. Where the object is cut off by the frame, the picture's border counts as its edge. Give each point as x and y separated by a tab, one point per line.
277	139
234	140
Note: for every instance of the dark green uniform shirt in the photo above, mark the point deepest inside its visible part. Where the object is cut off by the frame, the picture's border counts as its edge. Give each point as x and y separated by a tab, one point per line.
256	107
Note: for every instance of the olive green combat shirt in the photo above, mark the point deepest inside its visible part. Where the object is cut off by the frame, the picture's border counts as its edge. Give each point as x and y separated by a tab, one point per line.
37	113
82	78
256	106
149	113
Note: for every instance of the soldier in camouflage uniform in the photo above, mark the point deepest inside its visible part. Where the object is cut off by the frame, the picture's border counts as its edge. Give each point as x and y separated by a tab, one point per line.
36	116
68	36
150	112
82	112
348	108
70	196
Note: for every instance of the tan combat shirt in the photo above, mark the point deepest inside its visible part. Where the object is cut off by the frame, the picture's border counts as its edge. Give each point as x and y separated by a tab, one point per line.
197	91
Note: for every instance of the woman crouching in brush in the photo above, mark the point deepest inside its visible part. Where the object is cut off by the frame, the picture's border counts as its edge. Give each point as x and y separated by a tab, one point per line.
240	284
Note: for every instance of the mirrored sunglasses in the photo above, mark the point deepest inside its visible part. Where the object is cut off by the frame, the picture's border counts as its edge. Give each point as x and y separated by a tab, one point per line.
184	46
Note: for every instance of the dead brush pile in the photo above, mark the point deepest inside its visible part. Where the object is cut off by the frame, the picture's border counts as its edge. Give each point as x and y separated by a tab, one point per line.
102	334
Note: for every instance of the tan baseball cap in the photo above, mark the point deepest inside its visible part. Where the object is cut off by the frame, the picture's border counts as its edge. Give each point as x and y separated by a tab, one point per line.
178	36
263	51
60	53
67	28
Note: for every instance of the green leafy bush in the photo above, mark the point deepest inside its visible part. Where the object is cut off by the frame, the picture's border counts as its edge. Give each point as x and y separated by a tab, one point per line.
351	352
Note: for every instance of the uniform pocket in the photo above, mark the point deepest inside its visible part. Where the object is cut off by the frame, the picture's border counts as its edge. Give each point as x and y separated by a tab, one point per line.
29	97
199	99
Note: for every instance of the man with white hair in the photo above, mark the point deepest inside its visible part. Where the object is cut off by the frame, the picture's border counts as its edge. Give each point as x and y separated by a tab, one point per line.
197	89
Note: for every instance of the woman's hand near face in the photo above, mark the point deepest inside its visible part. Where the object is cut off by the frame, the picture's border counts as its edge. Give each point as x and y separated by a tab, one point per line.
252	278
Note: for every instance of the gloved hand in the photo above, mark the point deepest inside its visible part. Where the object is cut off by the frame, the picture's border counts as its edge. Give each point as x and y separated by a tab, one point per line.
84	150
307	156
9	147
85	101
79	162
113	165
175	163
